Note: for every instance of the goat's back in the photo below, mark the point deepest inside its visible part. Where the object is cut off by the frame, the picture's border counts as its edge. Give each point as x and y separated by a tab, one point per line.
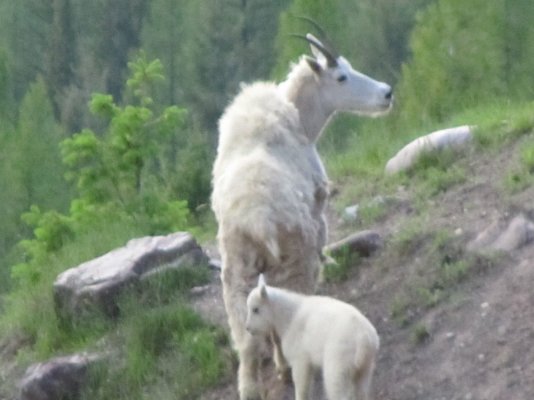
265	175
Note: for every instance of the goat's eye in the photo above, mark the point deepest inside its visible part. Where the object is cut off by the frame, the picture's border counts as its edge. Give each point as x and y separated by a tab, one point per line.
342	78
255	310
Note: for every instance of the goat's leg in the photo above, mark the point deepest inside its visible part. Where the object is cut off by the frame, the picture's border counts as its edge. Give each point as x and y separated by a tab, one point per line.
363	382
301	372
344	384
235	292
338	385
282	368
247	373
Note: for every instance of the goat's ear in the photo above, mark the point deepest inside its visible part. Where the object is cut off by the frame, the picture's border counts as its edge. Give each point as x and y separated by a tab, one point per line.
314	65
263	292
263	286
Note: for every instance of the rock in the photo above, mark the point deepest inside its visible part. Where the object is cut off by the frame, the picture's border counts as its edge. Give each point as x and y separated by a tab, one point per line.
519	232
363	243
445	138
58	378
97	283
350	213
501	237
485	238
215	264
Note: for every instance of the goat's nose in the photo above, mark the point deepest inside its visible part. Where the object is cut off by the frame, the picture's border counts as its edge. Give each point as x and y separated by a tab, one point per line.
389	94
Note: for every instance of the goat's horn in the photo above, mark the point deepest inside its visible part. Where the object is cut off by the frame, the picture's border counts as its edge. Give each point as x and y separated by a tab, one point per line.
331	60
327	43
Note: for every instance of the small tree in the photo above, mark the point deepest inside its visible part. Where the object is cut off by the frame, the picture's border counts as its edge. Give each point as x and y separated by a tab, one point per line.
125	167
119	175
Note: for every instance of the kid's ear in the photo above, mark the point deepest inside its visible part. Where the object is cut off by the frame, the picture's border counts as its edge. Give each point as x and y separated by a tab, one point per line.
263	292
263	286
314	65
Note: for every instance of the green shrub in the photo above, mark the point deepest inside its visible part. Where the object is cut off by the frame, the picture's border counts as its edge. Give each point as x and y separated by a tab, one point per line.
420	333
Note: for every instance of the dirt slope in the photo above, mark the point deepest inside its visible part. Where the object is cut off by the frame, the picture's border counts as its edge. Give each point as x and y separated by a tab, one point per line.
467	337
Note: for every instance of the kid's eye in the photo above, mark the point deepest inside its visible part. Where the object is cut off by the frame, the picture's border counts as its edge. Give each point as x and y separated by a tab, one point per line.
255	310
342	78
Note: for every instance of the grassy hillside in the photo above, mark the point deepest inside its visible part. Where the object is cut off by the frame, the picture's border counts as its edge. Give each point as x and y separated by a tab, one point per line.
163	349
141	160
454	322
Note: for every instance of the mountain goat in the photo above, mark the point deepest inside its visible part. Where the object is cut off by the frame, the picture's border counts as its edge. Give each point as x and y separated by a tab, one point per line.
317	332
270	187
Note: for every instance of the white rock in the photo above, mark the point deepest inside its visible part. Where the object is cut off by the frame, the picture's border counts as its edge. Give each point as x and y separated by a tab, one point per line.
351	213
445	138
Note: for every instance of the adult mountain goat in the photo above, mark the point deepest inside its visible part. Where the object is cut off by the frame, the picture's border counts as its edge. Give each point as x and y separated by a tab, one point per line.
270	187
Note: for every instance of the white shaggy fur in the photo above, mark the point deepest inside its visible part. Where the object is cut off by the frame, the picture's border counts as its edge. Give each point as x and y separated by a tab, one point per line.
270	187
317	332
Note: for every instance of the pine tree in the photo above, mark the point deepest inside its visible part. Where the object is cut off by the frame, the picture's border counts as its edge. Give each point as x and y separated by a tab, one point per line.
37	161
26	25
118	34
61	53
164	36
31	171
230	42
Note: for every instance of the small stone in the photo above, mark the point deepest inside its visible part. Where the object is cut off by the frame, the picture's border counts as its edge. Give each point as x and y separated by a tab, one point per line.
199	290
458	231
450	335
481	357
378	201
215	264
351	213
363	243
484	305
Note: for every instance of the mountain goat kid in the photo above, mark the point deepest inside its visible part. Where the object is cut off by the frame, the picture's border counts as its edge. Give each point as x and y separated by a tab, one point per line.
317	332
270	187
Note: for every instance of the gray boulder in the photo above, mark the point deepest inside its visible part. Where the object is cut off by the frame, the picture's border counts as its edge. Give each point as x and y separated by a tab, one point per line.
97	283
58	378
499	236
